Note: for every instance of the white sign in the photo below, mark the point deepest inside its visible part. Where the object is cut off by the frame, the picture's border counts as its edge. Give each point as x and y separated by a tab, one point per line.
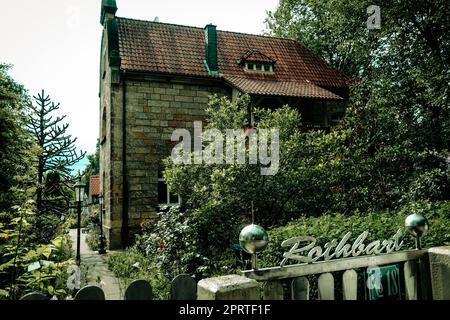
337	249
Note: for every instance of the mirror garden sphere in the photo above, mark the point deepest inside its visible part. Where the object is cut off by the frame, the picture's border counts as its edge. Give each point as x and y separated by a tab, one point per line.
416	224
253	239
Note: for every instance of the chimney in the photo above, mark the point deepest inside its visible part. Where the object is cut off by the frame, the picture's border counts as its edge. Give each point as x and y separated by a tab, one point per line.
211	49
108	10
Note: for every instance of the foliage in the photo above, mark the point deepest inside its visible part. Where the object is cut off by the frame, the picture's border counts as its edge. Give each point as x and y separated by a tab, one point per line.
176	242
57	154
381	225
26	267
398	120
16	145
344	171
416	30
132	264
28	261
226	191
93	167
93	236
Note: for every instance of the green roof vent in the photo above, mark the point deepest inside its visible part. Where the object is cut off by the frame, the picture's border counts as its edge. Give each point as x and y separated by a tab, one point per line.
211	49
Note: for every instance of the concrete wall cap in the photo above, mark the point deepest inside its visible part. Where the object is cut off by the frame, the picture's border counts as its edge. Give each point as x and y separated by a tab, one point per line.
227	283
440	250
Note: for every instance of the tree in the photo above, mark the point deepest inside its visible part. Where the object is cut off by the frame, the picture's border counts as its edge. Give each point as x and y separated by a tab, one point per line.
405	63
399	113
93	167
16	144
57	154
217	198
94	161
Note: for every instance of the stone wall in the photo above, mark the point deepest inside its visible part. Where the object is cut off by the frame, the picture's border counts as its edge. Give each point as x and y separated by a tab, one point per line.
110	150
154	108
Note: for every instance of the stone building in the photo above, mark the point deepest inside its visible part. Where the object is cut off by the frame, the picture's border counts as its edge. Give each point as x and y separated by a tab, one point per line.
156	77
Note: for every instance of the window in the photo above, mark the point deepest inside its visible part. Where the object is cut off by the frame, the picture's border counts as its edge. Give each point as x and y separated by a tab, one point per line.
261	67
336	118
103	126
165	197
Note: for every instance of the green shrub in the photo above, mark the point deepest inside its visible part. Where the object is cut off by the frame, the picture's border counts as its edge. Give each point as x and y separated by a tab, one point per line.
132	264
37	267
433	184
93	238
182	243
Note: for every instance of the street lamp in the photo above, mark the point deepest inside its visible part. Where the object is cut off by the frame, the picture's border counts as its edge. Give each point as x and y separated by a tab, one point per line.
101	246
79	196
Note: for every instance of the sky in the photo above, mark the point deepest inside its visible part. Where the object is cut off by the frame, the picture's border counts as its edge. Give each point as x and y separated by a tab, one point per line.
55	45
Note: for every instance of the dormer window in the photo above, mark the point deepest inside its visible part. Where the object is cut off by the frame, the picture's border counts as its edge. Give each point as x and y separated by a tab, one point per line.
250	66
254	60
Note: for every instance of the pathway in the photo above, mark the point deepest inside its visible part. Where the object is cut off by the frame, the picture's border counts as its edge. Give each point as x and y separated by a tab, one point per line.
94	268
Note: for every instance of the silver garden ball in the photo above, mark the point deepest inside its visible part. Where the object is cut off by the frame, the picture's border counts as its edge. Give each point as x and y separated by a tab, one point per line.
253	238
416	224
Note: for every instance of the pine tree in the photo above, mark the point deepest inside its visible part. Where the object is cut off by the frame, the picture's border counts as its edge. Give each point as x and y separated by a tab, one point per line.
57	154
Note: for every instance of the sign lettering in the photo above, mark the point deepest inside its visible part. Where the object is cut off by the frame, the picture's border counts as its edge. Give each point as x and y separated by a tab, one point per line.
310	252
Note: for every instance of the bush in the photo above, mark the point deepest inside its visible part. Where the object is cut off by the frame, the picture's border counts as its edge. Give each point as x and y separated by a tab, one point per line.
38	267
93	238
433	184
182	243
132	264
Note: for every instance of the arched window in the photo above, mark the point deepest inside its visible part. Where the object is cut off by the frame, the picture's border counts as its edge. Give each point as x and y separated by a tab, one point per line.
103	125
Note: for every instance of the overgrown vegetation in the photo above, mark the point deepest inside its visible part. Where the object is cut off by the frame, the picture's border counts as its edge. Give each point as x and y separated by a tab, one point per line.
35	249
132	264
56	154
26	266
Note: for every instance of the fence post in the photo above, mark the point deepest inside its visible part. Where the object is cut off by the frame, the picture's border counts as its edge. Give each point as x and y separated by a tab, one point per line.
231	287
139	290
183	287
440	272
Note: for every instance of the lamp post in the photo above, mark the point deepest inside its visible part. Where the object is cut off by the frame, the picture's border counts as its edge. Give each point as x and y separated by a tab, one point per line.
101	246
79	195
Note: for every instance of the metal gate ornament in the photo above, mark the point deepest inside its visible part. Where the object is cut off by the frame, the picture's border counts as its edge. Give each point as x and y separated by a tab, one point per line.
253	239
338	249
416	225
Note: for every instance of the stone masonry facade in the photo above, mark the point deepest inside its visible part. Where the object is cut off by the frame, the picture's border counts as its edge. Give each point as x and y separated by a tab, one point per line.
154	109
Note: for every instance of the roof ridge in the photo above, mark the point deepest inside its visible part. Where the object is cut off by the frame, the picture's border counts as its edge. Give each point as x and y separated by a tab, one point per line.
164	23
218	30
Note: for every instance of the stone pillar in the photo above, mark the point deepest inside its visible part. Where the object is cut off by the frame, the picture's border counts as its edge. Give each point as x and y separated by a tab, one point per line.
231	287
440	272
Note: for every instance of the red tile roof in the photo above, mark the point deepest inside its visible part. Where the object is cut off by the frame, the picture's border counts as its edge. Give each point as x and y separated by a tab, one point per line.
166	48
94	185
281	88
256	56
